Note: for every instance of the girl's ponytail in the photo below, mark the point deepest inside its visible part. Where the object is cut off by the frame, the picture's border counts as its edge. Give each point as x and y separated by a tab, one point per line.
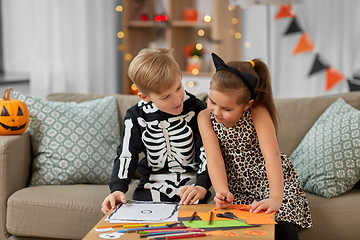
263	90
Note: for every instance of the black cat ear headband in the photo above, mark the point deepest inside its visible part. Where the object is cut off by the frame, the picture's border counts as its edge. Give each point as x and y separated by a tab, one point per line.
249	79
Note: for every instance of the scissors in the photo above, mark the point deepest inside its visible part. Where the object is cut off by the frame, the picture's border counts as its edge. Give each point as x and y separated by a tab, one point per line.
229	215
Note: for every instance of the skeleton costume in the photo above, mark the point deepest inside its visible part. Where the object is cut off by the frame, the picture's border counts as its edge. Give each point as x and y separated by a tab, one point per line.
174	156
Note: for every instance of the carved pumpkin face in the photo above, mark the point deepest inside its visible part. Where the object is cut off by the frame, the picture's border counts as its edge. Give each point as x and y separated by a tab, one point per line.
14	115
190	15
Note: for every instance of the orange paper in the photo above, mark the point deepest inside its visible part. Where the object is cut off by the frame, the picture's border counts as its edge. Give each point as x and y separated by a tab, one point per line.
182	214
242	211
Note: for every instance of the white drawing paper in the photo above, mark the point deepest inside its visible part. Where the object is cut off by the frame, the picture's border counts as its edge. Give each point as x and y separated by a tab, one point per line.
144	211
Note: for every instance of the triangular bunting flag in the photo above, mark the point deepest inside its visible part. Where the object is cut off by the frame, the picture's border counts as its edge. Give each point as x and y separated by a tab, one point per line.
285	11
354	84
333	77
303	45
293	28
318	65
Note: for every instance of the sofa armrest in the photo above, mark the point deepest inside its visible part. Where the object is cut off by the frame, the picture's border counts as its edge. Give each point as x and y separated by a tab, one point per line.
15	160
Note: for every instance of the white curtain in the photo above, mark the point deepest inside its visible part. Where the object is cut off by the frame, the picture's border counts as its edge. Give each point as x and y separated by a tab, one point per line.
333	27
71	45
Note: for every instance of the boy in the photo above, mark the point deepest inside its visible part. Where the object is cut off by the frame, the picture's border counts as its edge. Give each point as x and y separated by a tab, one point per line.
163	126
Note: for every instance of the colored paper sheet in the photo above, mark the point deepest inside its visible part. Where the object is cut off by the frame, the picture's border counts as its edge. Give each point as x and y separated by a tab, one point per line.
242	211
303	45
285	11
333	77
261	221
182	214
205	224
206	216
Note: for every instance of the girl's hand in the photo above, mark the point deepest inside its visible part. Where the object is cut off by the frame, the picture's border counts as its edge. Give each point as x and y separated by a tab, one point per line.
269	204
223	199
190	194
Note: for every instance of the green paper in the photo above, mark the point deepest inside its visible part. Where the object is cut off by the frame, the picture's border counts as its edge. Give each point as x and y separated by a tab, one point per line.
205	224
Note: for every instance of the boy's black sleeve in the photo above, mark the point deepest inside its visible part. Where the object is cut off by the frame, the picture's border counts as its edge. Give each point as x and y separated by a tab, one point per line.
127	158
202	178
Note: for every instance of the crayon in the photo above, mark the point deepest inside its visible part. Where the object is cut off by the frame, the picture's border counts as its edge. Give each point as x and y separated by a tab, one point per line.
111	226
179	236
169	233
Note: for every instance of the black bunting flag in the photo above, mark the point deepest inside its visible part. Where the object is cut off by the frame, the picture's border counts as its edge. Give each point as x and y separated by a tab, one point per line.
319	64
294	27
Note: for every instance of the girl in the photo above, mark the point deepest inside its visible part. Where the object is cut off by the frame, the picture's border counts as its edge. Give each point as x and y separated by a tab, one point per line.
238	130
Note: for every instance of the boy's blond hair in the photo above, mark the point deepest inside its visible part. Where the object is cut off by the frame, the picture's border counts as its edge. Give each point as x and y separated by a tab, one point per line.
154	70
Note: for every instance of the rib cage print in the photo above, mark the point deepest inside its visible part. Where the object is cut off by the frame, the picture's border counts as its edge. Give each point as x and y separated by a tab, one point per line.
169	142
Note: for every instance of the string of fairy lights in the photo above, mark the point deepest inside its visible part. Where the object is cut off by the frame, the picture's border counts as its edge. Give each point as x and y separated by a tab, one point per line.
195	70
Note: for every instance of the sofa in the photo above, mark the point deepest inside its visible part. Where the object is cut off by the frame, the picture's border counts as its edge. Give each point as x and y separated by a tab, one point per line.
70	211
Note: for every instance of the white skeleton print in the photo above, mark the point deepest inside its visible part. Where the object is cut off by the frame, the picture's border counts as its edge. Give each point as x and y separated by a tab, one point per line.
174	156
168	184
169	142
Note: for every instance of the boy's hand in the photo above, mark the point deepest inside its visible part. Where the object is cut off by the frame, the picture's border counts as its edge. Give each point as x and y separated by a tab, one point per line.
269	204
223	199
112	201
190	194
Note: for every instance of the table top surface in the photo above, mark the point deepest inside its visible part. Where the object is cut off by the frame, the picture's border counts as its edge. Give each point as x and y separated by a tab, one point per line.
94	235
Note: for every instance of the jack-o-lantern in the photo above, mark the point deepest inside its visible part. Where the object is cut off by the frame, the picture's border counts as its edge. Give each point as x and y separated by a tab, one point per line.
14	117
190	15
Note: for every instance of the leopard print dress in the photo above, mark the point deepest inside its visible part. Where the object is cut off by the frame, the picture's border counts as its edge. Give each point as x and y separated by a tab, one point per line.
246	173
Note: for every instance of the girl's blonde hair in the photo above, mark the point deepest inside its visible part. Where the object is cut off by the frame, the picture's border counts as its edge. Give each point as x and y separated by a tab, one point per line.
154	70
225	81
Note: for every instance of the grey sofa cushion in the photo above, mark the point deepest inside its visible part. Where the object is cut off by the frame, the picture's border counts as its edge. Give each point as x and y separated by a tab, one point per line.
49	211
297	115
334	218
57	211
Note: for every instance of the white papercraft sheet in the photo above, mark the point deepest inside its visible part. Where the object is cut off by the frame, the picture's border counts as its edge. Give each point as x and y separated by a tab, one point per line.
144	211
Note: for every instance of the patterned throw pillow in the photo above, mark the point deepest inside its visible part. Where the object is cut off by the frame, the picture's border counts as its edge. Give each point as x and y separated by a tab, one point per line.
72	143
328	158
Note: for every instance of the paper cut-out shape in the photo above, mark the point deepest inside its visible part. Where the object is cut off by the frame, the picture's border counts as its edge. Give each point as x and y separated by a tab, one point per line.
285	11
318	65
303	45
255	232
215	233
103	229
332	78
294	27
229	234
112	235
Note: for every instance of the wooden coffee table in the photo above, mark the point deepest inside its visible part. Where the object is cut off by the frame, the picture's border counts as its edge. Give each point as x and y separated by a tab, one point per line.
94	235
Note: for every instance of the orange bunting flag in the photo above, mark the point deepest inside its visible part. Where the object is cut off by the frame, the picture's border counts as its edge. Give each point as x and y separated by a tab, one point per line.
285	11
303	45
333	77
